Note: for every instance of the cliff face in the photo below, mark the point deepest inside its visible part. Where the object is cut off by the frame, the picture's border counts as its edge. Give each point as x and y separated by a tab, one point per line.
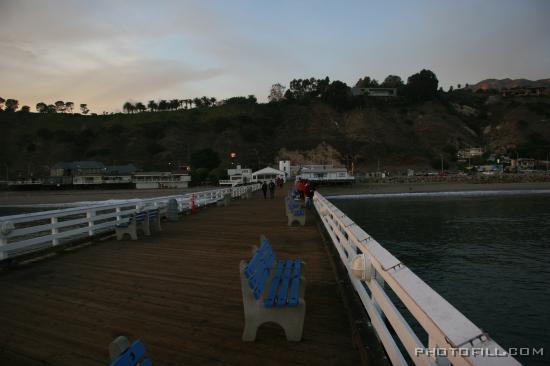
395	133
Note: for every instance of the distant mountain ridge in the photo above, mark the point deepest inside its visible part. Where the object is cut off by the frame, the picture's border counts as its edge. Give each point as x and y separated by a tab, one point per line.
508	83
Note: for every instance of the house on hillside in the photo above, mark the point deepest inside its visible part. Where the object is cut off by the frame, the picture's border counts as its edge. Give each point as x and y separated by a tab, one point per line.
375	92
525	92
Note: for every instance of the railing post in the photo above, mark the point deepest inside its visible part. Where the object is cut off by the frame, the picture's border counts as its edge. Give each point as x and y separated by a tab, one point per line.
3	241
439	360
118	216
55	230
90	216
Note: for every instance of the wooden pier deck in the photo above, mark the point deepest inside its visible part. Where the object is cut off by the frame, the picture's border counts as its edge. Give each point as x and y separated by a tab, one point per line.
178	291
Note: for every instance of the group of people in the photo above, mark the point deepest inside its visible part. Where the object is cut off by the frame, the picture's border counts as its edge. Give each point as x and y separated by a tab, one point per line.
306	190
271	187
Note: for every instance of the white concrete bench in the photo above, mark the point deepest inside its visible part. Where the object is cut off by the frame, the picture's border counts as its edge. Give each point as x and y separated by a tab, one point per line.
273	291
139	221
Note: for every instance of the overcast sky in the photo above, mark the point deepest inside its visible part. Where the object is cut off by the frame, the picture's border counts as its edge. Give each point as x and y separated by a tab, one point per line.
107	52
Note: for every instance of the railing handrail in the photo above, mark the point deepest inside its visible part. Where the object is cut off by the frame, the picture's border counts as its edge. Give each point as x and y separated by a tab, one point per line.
447	328
27	231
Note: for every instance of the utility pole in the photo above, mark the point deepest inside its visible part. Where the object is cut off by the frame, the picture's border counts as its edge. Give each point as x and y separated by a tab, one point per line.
441	156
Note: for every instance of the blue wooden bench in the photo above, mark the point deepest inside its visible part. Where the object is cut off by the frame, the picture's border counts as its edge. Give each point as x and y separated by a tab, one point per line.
273	291
294	212
122	354
138	221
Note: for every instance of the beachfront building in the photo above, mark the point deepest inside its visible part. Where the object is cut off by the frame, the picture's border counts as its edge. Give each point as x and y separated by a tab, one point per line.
469	153
284	166
160	180
325	174
374	92
237	176
267	174
73	168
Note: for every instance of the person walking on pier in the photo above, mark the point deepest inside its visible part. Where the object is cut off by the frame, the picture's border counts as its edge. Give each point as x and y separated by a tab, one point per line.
264	189
271	190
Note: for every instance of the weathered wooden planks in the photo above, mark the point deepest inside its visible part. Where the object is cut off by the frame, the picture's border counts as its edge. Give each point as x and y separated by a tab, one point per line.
177	290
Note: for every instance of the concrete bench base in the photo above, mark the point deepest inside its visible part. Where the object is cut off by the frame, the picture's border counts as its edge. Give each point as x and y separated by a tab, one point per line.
300	219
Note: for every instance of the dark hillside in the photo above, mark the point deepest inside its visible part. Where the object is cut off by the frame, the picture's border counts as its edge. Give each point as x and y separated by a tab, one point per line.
396	132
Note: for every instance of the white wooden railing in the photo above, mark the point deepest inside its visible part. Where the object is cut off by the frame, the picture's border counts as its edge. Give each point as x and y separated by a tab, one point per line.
20	234
452	338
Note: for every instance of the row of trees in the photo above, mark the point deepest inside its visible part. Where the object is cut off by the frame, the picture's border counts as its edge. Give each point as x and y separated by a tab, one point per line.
60	107
175	104
11	105
420	86
168	105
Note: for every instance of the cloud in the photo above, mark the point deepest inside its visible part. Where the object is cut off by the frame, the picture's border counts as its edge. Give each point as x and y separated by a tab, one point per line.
106	52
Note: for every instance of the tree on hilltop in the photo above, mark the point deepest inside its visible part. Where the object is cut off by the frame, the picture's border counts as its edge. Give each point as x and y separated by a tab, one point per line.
11	105
366	82
392	81
41	107
128	107
152	105
276	93
69	107
140	107
422	86
84	108
60	106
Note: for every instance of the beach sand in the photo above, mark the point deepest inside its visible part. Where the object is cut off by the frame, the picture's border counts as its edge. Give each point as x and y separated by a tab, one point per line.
17	198
24	198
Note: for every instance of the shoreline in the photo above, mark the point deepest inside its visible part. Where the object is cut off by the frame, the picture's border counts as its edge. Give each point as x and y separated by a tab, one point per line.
64	198
432	187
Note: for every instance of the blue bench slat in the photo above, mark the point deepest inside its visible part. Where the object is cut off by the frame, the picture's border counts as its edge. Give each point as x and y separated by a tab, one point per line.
132	355
260	284
123	224
264	275
294	292
297	268
295	287
270	299
258	280
140	216
283	288
251	267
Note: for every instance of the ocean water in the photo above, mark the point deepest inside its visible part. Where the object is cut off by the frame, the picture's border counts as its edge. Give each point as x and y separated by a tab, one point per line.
488	255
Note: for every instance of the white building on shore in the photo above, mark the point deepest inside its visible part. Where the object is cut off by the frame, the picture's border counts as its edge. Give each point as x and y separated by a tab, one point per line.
325	174
267	174
237	176
160	180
